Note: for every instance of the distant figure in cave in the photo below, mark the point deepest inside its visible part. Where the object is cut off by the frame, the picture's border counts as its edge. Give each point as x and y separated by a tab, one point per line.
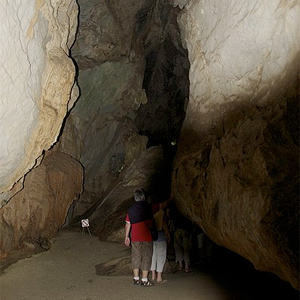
160	245
183	241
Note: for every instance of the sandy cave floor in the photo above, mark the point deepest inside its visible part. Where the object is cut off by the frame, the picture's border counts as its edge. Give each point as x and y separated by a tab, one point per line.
80	267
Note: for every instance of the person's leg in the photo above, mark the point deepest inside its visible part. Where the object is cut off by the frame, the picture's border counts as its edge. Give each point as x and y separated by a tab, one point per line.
153	277
178	248
186	258
154	261
187	245
145	275
136	274
147	251
161	259
136	252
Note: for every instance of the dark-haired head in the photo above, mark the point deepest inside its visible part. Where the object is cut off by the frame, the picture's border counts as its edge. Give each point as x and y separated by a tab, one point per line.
139	195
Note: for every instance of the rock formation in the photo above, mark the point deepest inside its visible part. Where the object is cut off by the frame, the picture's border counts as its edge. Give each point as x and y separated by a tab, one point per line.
237	167
39	210
37	84
221	80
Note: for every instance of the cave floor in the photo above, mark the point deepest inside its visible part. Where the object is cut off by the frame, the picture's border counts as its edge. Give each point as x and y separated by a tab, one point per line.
80	267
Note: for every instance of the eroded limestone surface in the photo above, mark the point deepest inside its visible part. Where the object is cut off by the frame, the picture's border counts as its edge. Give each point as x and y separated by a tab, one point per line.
236	169
37	83
36	213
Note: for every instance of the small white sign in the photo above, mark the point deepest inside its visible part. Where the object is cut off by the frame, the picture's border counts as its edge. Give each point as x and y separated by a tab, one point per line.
85	223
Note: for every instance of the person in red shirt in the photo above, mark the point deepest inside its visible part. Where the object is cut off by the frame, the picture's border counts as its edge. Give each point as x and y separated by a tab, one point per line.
138	221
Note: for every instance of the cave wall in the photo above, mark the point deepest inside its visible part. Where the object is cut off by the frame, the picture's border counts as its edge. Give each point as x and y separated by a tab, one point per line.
38	90
99	132
38	211
110	63
236	172
166	79
236	168
108	128
37	84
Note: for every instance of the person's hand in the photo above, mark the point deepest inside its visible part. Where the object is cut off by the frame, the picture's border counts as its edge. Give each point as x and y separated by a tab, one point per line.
127	241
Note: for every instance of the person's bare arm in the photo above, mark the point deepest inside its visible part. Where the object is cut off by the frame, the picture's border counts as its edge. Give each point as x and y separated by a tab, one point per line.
127	230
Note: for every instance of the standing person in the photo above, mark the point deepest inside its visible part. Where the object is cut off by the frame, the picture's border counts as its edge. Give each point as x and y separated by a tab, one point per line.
160	247
138	221
182	239
205	246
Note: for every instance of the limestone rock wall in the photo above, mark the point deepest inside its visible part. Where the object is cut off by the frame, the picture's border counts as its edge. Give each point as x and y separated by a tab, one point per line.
36	213
148	170
236	170
37	83
237	167
38	89
100	131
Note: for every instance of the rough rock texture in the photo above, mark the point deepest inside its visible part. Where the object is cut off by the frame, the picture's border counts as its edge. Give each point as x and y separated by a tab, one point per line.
166	80
237	167
149	170
35	214
37	83
99	128
107	128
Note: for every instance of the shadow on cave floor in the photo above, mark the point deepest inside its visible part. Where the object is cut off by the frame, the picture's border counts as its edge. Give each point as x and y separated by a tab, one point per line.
238	276
80	266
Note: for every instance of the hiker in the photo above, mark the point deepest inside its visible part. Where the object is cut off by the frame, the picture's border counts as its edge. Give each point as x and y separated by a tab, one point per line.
160	247
140	216
182	238
138	224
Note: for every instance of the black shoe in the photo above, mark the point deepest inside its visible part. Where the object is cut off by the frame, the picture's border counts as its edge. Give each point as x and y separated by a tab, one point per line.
147	283
136	282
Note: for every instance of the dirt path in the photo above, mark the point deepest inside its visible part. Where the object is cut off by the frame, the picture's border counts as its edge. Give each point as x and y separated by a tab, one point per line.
68	272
